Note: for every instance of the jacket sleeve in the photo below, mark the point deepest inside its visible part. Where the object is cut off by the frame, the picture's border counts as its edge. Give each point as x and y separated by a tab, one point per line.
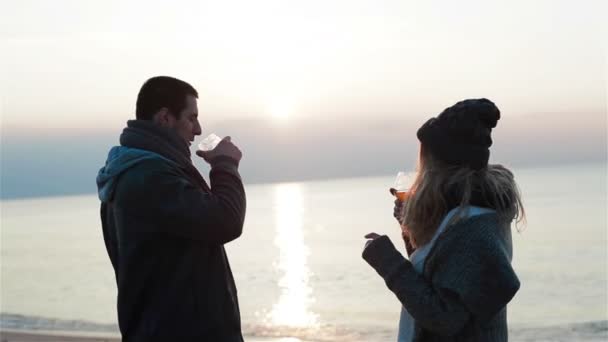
472	278
438	310
175	206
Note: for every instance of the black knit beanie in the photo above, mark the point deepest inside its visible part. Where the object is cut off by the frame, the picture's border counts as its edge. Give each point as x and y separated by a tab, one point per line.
461	134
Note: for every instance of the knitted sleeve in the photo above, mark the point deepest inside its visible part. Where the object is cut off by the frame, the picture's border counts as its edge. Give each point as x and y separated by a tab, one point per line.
438	310
468	276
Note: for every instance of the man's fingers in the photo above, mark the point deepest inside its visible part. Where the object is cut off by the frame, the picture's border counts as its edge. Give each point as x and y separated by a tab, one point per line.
202	154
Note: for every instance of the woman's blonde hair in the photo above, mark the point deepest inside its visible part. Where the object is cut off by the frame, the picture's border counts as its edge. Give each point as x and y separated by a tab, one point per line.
438	185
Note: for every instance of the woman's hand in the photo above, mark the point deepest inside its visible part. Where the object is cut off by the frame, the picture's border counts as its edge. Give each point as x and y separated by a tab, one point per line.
370	238
398	208
398	215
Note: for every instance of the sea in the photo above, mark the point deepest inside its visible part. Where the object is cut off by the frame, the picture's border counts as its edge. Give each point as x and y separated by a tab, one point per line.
298	265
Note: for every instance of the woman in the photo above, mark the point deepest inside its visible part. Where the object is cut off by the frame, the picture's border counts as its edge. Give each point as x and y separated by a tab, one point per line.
456	226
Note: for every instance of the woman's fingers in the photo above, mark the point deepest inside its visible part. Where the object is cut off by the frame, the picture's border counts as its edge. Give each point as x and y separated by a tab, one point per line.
372	236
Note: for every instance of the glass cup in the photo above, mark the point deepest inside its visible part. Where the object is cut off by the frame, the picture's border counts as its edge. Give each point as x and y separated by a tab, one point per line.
400	189
209	143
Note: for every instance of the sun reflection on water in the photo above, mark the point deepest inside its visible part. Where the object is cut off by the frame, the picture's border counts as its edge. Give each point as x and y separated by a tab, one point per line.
293	307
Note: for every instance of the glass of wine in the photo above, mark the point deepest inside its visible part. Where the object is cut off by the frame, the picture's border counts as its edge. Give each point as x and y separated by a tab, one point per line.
400	188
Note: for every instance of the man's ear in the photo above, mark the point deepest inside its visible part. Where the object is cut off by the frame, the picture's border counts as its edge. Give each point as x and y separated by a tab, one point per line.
162	117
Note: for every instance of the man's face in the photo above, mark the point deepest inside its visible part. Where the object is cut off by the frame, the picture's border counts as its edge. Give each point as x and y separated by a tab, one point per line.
187	125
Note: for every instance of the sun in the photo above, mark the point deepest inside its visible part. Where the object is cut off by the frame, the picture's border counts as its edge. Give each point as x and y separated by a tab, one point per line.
280	109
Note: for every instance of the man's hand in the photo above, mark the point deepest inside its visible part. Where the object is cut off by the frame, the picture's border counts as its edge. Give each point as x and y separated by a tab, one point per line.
224	149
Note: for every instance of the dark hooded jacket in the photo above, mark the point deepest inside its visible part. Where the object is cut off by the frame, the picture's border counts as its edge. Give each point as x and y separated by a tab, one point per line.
164	230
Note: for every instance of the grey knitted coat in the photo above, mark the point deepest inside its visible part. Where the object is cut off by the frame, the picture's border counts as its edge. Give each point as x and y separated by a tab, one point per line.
467	282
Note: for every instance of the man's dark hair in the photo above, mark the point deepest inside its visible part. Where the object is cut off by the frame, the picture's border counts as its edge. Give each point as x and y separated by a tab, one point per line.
162	92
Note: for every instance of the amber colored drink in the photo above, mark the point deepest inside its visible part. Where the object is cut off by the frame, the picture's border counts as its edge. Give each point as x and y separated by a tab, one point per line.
401	195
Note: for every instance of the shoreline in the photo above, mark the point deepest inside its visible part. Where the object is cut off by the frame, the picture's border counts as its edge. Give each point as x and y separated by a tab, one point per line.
594	331
15	335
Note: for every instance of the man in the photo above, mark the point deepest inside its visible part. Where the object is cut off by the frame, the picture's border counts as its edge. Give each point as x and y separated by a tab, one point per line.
164	227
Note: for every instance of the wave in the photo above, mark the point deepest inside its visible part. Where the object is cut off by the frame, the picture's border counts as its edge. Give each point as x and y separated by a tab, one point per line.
321	333
586	331
21	322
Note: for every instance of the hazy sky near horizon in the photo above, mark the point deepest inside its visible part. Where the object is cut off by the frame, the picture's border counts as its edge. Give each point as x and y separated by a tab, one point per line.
309	89
77	65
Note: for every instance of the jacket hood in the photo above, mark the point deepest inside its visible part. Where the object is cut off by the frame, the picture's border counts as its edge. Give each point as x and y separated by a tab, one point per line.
120	159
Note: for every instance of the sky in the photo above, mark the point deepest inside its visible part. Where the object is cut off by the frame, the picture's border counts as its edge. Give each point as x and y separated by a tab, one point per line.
309	89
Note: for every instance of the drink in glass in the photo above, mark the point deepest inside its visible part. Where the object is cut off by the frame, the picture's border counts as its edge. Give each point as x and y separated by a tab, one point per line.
209	143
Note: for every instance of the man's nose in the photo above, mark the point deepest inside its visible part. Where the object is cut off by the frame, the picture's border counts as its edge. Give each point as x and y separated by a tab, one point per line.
197	129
